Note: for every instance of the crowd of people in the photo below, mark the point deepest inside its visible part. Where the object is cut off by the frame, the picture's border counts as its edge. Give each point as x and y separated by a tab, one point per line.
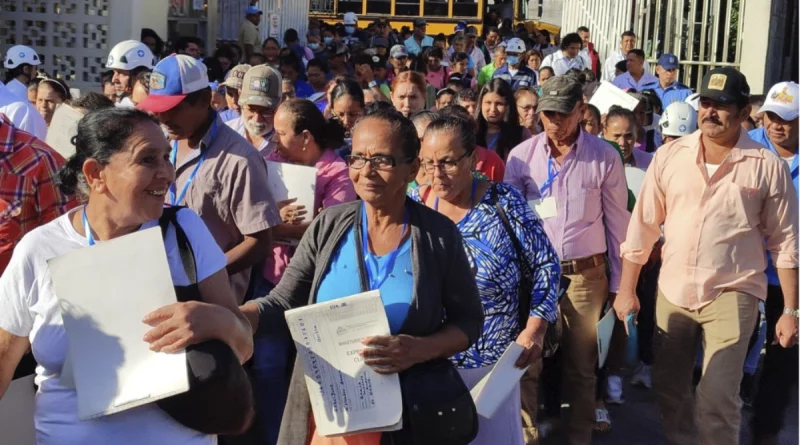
467	177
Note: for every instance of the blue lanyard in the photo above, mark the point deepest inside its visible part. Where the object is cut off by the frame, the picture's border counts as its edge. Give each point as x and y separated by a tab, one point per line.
490	144
375	281
173	158
87	229
552	174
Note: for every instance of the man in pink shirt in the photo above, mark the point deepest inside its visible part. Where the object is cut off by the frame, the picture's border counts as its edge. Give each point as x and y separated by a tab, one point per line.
576	183
722	200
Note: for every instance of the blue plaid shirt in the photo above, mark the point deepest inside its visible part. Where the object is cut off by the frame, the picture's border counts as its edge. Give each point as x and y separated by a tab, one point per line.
525	77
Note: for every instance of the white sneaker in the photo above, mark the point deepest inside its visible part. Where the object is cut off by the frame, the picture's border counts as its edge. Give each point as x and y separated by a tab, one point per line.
641	377
614	394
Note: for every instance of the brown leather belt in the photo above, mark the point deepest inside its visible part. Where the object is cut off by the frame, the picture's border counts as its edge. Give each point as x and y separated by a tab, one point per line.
573	267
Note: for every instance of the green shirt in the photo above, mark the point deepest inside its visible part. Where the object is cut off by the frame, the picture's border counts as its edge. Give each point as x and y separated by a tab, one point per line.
486	74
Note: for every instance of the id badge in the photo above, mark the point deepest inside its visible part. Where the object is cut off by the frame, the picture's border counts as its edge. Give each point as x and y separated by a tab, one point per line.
544	208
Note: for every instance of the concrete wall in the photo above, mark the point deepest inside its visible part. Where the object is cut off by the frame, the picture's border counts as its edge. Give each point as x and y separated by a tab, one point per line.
127	18
755	42
552	11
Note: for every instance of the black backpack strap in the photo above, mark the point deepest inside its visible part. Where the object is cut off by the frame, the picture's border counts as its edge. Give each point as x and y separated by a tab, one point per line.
525	269
170	216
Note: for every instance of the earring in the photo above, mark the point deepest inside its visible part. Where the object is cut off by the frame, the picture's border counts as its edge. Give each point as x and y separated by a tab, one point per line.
304	147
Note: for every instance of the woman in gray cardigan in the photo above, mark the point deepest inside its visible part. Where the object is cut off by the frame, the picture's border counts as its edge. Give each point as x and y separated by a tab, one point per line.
412	254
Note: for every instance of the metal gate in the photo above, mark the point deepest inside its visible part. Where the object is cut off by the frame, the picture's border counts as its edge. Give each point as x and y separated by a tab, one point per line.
704	34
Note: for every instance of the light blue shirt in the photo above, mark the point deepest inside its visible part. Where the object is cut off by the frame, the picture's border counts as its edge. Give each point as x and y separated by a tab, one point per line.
228	115
646	82
342	279
677	92
760	135
415	48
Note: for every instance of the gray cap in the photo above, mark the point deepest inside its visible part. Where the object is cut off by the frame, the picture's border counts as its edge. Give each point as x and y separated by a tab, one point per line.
261	86
560	94
398	51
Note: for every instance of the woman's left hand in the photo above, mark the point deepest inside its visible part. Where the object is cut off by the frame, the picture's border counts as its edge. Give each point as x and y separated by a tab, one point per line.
529	340
390	354
179	325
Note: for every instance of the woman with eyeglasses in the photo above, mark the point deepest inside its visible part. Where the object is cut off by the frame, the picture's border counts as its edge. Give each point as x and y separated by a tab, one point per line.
385	242
498	228
527	101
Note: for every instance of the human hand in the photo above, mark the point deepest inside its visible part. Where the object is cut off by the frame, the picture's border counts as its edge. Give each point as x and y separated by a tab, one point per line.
532	342
390	354
291	214
626	303
786	331
179	325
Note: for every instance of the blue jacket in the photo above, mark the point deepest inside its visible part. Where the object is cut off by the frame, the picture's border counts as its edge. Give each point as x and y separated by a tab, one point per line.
525	77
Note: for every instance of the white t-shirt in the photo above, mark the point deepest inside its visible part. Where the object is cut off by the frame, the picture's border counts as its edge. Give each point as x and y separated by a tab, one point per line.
30	309
711	169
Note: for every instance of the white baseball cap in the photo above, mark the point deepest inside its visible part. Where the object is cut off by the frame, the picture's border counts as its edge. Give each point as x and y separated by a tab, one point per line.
515	45
782	100
350	18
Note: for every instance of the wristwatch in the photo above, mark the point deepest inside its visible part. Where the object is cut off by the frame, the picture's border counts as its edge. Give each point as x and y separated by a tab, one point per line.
793	312
373	84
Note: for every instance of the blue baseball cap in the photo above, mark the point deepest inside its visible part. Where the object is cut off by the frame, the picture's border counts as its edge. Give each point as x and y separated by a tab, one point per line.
668	61
253	10
461	26
174	78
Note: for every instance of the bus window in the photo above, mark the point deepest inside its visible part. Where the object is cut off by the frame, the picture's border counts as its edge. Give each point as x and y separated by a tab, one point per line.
379	7
436	8
350	6
406	7
464	8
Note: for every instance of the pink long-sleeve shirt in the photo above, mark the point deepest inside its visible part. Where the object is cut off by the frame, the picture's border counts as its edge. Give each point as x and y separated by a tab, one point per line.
590	192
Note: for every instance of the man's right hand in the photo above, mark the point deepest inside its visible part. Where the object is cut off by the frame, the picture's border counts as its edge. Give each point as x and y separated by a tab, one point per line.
626	303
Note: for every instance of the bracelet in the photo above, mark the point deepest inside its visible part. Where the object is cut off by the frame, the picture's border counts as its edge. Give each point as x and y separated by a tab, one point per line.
793	312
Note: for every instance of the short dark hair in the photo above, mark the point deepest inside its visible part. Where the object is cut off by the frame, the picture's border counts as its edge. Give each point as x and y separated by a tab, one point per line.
319	63
628	34
101	134
226	52
377	105
290	35
467	94
402	130
571	39
492	29
182	43
617	111
444	91
757	100
595	112
637	52
92	101
622	66
258	56
547	68
460	57
440	37
454	124
328	134
436	52
583	29
106	77
144	79
292	61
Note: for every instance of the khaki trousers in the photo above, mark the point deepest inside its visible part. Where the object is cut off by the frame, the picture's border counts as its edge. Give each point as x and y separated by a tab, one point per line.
724	326
580	311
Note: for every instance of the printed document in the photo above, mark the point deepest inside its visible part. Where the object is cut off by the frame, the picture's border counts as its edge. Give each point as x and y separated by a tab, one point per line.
104	291
498	384
347	396
288	181
609	94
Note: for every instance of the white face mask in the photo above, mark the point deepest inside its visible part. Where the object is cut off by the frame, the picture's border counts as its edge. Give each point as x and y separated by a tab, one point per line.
257	128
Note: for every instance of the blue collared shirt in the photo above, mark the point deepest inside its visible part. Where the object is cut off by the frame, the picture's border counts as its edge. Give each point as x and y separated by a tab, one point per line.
677	92
525	77
760	135
415	48
647	82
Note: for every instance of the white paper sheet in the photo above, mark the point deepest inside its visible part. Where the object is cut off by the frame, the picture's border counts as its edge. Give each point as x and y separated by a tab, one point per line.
16	413
635	178
104	291
347	396
287	181
495	387
608	94
63	127
605	327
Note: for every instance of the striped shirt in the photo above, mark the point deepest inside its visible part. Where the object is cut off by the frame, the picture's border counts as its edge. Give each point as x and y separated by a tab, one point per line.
29	196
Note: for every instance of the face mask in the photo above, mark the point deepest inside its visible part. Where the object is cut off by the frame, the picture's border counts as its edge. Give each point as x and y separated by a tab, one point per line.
349	29
513	60
313	46
327	40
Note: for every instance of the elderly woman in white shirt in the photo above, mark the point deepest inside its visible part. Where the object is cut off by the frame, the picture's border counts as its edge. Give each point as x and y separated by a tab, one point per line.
122	170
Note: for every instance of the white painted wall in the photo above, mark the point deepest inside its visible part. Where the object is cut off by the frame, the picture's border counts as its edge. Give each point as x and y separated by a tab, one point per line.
755	40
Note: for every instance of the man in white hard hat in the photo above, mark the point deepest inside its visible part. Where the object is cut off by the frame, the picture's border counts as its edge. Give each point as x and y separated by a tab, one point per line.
20	63
780	135
678	120
354	35
128	59
515	72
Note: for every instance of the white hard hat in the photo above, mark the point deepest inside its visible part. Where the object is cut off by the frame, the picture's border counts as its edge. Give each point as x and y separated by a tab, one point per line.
129	55
694	101
515	45
679	119
350	18
21	55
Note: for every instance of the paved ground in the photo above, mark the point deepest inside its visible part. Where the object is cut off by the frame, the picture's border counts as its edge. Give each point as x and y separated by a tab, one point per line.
637	423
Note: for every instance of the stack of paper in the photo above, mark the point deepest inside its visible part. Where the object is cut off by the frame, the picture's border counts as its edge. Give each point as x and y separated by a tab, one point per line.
498	384
608	95
104	291
347	396
288	181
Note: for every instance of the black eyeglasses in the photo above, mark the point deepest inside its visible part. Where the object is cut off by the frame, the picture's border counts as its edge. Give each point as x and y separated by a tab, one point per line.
446	166
377	162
